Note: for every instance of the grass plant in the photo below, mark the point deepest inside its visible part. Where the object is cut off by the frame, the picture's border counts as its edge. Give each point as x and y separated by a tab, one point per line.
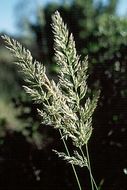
66	105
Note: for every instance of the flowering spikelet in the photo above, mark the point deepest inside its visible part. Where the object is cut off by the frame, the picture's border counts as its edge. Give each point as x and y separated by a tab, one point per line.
62	102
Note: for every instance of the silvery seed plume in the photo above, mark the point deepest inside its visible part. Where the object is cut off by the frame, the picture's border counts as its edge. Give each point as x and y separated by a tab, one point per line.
72	82
61	102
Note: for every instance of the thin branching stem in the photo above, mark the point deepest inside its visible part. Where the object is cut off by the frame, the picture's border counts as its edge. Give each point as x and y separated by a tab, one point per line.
89	167
94	183
73	167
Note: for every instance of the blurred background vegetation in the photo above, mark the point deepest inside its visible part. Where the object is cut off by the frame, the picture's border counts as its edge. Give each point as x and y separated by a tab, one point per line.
26	158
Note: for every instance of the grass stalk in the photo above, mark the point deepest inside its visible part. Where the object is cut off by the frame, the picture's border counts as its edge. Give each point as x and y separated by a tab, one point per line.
73	167
93	183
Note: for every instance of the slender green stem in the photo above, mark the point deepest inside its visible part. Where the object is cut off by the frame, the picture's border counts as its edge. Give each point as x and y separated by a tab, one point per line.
89	167
75	173
94	183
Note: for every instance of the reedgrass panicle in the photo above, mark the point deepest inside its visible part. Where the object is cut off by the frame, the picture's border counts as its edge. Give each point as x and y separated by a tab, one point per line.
62	102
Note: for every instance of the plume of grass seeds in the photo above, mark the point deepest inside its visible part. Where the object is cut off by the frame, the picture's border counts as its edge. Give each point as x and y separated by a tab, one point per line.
61	102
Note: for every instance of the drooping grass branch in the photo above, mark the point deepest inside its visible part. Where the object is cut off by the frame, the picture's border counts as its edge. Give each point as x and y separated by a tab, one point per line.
62	102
